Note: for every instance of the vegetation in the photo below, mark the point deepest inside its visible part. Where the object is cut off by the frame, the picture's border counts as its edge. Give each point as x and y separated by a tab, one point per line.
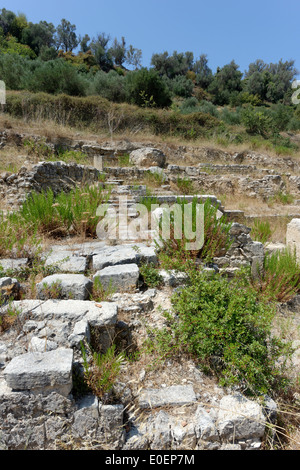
227	331
40	58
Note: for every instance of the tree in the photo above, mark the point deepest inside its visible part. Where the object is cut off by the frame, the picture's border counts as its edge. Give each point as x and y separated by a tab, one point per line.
270	82
145	87
38	36
99	47
204	75
7	18
134	57
66	37
176	64
226	82
84	46
118	52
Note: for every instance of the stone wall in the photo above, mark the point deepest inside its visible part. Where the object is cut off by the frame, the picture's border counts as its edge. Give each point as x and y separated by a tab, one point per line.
58	176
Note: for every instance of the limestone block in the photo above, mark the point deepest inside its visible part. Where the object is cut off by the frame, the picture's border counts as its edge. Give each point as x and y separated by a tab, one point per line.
293	236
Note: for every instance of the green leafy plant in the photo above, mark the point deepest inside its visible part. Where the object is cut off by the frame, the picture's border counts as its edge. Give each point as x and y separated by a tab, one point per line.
150	275
228	331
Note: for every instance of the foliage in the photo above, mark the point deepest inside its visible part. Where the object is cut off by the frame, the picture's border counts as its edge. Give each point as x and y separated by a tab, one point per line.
144	84
223	326
150	275
109	85
226	81
216	238
66	213
16	240
102	371
261	231
281	276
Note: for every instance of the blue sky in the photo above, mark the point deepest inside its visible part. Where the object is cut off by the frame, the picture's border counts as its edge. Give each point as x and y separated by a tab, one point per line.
224	30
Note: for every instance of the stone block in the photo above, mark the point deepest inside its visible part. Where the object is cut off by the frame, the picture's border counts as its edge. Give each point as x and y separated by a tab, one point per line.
65	286
122	278
41	372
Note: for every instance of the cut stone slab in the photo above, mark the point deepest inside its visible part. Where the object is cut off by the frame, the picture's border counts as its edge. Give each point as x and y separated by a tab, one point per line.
65	286
122	278
41	345
123	254
176	395
173	278
67	262
67	322
240	418
41	372
293	236
13	264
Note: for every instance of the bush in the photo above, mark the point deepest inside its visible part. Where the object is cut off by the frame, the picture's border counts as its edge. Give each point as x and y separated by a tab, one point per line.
181	86
145	87
174	255
64	214
56	76
108	85
224	327
256	121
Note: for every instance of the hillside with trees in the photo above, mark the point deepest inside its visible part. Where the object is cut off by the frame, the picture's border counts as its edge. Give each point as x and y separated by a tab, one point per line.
44	58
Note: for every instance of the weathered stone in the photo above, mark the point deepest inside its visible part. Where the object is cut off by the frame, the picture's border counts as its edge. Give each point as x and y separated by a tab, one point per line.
41	345
176	395
65	286
13	264
124	254
121	277
147	157
9	287
66	262
240	418
293	236
41	372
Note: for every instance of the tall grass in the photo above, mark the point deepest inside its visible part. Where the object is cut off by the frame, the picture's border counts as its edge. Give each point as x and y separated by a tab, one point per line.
216	238
72	213
17	239
281	277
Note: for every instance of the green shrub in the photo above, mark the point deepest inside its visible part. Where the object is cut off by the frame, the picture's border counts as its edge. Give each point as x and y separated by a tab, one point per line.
216	238
256	121
224	327
17	239
150	275
145	86
109	85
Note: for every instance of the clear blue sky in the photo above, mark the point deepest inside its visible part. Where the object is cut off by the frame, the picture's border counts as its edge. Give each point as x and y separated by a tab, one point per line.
225	30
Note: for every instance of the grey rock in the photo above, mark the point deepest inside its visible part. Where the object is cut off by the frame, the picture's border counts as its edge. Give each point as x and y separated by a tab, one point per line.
147	157
122	278
41	345
41	372
240	418
66	262
13	264
68	286
124	254
176	395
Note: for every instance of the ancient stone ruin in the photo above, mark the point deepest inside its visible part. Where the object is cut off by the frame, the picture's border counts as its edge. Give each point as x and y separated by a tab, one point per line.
41	405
